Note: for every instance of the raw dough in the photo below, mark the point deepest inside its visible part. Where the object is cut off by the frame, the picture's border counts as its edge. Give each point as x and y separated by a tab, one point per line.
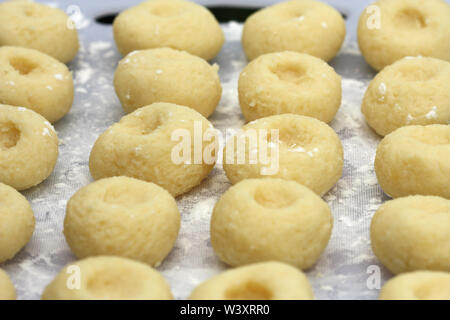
28	147
310	152
141	145
36	81
7	290
122	216
411	91
419	285
300	25
415	160
28	24
389	30
108	278
412	233
176	24
270	219
289	82
260	281
16	223
167	75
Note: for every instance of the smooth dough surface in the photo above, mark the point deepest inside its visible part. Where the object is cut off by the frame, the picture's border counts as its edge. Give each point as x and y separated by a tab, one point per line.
175	24
310	152
28	147
140	145
167	75
36	81
28	24
414	160
304	26
254	221
16	223
260	281
7	290
411	91
108	278
122	216
419	285
289	82
406	28
412	233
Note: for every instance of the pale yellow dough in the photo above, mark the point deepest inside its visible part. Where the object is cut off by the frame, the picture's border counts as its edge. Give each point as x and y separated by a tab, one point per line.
7	290
411	91
289	82
28	147
419	285
310	152
270	220
36	81
306	26
389	30
176	24
37	26
259	281
122	216
142	143
412	233
415	160
167	75
16	223
108	278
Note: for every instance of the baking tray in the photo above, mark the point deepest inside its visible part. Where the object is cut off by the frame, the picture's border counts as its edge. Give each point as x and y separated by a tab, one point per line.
346	270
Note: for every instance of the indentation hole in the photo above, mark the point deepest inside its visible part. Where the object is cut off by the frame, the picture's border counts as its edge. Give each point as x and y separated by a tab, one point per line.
290	73
249	290
411	18
9	135
22	65
415	72
432	138
292	137
121	195
145	125
276	196
432	290
114	283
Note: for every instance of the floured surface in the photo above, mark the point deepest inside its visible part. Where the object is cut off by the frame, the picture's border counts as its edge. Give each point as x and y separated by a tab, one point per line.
341	272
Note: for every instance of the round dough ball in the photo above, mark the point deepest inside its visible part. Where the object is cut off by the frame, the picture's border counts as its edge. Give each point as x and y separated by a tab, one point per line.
304	26
167	75
108	278
412	233
37	26
176	24
16	223
414	160
253	222
36	81
144	145
419	285
289	82
412	91
260	281
7	290
401	28
122	216
309	152
28	147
